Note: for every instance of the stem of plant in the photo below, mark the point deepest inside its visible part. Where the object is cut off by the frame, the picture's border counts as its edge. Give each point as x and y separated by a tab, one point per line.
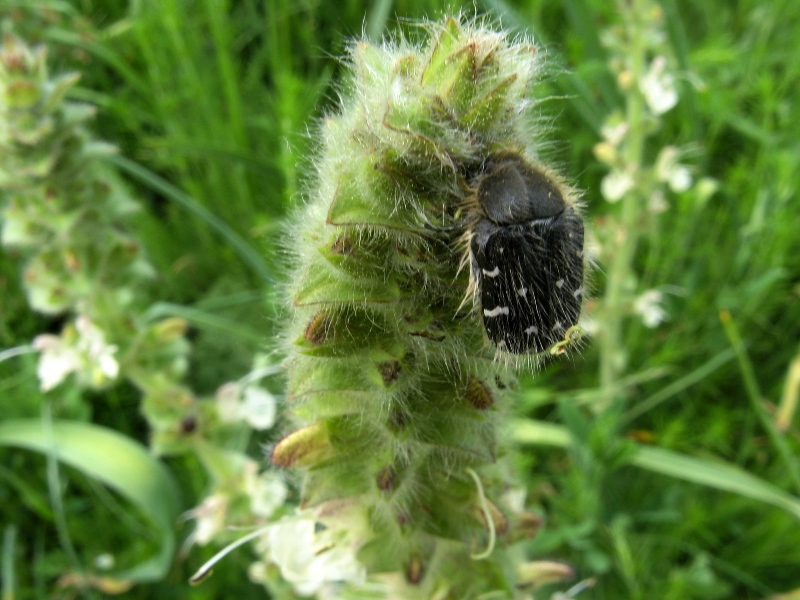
611	358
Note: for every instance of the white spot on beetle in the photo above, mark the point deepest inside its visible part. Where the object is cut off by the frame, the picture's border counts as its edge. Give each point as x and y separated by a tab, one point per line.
532	330
496	311
560	283
578	292
493	273
523	291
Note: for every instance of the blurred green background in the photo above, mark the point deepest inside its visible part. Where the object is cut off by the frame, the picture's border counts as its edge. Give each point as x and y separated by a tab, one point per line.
220	99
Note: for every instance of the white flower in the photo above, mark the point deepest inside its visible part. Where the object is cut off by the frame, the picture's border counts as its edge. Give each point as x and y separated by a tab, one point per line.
605	152
648	306
104	561
81	350
258	408
657	203
210	516
310	560
669	170
658	87
514	498
614	134
228	402
257	572
680	180
253	404
56	361
267	491
616	184
99	356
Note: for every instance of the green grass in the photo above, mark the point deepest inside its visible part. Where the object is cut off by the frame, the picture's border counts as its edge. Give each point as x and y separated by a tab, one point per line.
214	102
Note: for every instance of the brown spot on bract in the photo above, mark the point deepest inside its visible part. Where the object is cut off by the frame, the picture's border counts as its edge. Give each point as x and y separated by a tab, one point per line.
414	570
344	246
478	394
385	479
390	371
319	328
529	524
398	420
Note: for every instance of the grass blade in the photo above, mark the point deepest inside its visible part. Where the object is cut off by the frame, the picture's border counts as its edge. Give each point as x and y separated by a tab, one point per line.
7	577
242	248
678	386
715	474
118	462
204	320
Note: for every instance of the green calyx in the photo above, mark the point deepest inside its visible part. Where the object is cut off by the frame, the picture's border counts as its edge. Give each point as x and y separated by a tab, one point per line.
396	393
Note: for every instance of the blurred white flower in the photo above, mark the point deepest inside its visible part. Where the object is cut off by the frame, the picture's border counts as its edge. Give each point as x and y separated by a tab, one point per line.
657	203
514	498
81	350
210	516
104	562
310	560
606	152
99	356
253	404
258	408
658	87
670	171
616	184
228	402
267	490
648	306
614	133
257	572
57	360
680	180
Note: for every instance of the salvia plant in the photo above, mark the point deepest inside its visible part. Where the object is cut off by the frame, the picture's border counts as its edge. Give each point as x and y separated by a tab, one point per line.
68	216
435	255
648	81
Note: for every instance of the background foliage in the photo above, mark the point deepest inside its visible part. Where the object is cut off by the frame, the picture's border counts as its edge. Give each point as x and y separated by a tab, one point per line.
217	98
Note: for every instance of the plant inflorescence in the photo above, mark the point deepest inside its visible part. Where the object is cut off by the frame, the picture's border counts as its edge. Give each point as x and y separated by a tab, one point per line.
425	178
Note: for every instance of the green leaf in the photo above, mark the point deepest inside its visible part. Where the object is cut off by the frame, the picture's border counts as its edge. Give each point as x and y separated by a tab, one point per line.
118	462
715	474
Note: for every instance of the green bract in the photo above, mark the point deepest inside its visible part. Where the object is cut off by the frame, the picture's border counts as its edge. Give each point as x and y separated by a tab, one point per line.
398	397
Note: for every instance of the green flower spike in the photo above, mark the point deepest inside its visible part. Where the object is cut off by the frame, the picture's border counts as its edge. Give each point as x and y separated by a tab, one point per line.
67	214
396	392
57	202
